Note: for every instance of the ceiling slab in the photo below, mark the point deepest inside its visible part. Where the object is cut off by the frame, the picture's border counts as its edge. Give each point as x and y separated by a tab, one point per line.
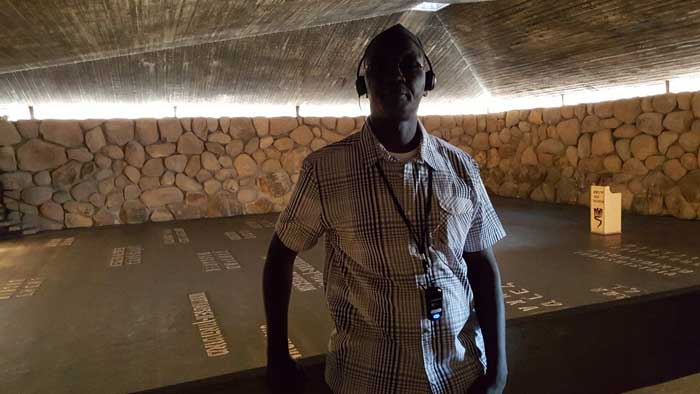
309	66
48	33
521	47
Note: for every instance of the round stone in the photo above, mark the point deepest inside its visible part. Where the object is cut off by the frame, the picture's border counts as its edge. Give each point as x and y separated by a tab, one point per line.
650	123
678	121
73	220
262	126
284	144
42	178
193	166
602	143
37	155
627	110
9	134
690	141
655	161
626	131
643	146
247	195
664	103
113	152
178	163
245	165
52	210
212	186
162	196
568	131
634	167
153	168
134	154
190	144
168	179
674	169
210	162
170	129
8	161
302	135
37	195
187	184
161	150
132	173
147	131
666	139
62	132
132	192
234	148
590	124
612	163
689	161
119	131
219	138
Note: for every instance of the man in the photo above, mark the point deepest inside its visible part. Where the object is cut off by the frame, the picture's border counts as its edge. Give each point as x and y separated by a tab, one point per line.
409	229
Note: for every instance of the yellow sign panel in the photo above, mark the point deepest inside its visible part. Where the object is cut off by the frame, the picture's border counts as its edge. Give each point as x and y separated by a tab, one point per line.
606	211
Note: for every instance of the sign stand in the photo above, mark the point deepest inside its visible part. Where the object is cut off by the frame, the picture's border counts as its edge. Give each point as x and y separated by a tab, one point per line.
606	211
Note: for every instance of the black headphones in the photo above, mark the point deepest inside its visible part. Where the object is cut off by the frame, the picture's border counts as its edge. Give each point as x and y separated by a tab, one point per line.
430	79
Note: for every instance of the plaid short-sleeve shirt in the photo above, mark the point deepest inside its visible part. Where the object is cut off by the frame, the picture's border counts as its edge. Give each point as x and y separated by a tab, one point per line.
383	341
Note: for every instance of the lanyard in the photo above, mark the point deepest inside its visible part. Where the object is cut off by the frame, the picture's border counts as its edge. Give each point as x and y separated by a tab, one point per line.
421	238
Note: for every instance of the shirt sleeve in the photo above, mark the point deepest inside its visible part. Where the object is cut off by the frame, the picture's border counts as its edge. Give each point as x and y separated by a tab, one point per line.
300	224
486	228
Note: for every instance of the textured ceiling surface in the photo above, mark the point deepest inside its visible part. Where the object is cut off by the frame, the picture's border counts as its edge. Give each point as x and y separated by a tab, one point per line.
548	46
305	51
309	66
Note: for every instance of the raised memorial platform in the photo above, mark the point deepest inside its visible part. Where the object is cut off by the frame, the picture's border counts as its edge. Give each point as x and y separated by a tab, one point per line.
177	307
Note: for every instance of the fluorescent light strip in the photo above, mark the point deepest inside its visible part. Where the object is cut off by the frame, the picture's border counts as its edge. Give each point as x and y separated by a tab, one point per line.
480	105
428	6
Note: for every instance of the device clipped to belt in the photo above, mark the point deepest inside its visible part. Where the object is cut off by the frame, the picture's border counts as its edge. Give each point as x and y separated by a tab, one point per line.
433	294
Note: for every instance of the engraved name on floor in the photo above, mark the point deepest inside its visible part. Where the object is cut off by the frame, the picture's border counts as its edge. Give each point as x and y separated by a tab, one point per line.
526	300
658	261
293	350
18	288
309	271
260	224
175	236
217	260
239	235
302	274
618	291
210	333
128	255
57	242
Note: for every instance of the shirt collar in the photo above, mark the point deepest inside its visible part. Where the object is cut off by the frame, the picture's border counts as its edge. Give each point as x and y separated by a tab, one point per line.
373	150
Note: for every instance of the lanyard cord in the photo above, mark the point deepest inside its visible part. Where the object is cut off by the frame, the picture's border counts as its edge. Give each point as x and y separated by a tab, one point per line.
423	235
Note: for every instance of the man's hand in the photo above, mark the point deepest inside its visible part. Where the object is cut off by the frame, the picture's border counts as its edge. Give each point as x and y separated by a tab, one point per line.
285	376
487	384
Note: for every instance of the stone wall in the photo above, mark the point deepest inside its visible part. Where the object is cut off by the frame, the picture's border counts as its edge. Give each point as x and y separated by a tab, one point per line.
59	174
645	148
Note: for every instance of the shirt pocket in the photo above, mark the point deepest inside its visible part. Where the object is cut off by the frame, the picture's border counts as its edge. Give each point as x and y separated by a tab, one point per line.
456	202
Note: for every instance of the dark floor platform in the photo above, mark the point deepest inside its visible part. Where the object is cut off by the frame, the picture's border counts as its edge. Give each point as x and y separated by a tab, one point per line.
132	308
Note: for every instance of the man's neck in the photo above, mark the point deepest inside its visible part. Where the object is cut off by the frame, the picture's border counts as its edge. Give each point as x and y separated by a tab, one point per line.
396	135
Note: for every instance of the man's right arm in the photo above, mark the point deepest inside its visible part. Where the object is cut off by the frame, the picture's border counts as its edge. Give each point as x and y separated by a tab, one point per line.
283	373
277	285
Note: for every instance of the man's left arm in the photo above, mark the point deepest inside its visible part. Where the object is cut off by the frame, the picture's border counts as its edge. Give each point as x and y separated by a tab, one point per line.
485	281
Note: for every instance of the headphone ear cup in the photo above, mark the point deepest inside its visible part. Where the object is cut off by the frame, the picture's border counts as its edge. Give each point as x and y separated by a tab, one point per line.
360	86
430	80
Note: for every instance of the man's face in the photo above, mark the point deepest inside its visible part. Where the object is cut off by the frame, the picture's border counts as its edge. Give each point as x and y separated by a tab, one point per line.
395	77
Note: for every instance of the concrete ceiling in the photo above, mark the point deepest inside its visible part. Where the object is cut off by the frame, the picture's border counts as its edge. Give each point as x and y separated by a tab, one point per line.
298	52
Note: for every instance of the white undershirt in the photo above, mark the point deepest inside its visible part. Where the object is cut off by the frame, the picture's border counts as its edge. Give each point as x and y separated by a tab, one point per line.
405	155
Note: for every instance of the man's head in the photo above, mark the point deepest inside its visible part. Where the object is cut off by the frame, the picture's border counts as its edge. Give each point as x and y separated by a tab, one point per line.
395	68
